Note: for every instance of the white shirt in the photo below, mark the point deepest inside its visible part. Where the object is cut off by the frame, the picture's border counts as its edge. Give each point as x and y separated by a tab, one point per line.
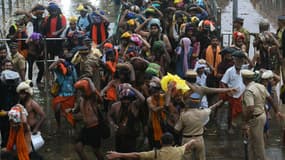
234	80
201	81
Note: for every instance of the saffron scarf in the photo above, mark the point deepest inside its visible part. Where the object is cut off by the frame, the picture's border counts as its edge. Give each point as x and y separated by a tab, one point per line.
213	60
98	33
155	118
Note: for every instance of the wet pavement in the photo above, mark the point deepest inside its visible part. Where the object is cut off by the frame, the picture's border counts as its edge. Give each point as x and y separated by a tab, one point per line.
219	144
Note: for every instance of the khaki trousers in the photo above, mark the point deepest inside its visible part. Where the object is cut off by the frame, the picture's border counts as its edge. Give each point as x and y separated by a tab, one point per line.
256	148
197	152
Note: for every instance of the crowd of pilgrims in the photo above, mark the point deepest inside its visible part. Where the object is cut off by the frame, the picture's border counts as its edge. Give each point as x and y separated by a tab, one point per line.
167	60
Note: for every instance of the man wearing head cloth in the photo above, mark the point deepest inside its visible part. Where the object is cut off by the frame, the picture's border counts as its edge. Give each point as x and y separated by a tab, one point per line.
191	124
238	26
124	117
53	25
233	79
254	99
154	33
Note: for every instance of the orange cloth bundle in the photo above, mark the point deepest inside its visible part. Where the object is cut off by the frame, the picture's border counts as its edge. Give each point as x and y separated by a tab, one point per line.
62	68
17	137
83	84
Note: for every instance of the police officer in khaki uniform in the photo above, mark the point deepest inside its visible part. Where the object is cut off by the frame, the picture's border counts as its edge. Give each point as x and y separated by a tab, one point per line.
18	60
191	124
254	100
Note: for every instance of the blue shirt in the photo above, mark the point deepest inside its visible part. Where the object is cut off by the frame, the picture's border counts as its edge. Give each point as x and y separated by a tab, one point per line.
83	22
66	82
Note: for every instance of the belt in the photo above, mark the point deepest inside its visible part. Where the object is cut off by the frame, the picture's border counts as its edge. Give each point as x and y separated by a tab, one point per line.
191	136
255	116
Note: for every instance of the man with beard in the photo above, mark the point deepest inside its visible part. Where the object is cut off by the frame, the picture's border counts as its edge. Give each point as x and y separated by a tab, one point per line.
54	24
232	78
154	33
34	110
123	116
227	61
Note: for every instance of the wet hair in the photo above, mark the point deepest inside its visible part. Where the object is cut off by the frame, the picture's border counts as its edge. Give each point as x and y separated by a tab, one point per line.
2	47
167	139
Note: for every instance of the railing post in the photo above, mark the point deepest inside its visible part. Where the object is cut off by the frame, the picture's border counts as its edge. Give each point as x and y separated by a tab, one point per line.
219	20
3	16
235	9
47	110
10	7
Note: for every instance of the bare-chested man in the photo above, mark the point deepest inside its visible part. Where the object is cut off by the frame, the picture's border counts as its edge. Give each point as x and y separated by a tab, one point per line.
124	117
36	115
90	134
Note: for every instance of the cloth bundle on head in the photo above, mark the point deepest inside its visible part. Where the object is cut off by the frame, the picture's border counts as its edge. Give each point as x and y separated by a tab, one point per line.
25	86
126	93
95	18
108	45
199	65
135	8
149	10
153	69
207	24
134	38
52	7
267	74
72	19
81	8
84	85
178	3
126	35
131	22
186	43
154	22
35	36
180	84
156	4
130	16
238	35
15	113
17	136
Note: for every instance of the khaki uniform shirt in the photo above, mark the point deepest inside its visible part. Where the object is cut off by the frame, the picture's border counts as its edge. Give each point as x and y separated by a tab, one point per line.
165	153
19	62
192	121
89	67
255	95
